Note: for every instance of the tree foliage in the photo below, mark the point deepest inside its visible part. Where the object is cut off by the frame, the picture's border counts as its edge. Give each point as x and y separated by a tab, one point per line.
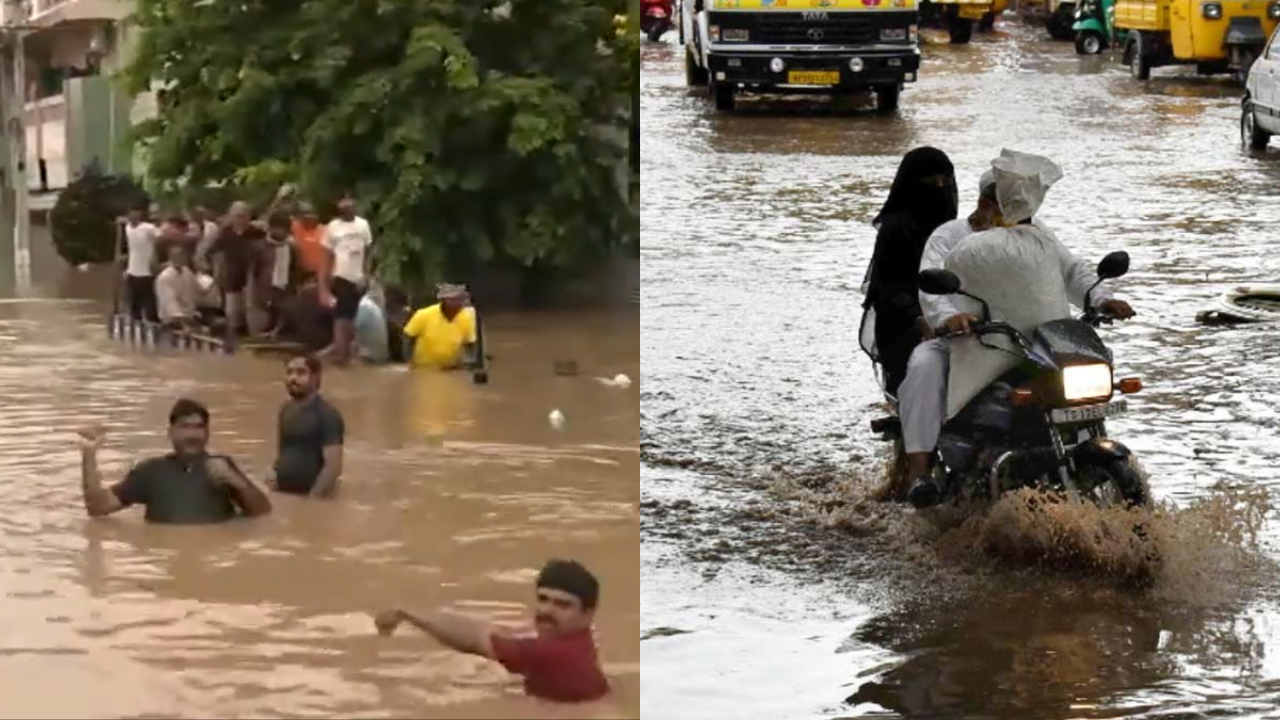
83	220
471	131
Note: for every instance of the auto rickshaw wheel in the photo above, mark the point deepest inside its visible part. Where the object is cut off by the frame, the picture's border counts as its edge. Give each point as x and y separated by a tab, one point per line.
1252	136
1139	59
960	29
1246	60
1089	42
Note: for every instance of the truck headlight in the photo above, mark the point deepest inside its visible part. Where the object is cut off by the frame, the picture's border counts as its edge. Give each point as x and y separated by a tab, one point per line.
1212	10
1086	382
713	32
893	34
1273	11
913	33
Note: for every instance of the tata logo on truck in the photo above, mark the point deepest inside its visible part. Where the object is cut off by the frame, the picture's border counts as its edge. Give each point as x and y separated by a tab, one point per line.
814	15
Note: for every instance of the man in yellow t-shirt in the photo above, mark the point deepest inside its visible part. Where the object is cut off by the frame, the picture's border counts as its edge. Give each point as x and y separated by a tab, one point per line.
444	334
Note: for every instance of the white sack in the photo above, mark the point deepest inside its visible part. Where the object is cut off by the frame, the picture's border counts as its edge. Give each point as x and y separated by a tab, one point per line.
1018	271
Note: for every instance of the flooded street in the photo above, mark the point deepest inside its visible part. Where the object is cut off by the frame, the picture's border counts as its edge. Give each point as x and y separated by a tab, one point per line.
773	588
270	618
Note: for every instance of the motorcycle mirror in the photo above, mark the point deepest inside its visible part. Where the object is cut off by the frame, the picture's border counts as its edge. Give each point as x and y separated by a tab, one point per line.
940	282
1114	265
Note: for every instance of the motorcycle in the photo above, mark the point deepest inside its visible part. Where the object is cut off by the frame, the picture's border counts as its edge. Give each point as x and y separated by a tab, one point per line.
655	19
1043	424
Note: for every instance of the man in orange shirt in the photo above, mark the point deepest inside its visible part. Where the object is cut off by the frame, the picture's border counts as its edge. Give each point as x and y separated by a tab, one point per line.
308	237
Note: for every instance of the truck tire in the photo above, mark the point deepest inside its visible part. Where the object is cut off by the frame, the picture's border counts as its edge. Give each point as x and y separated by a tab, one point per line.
1139	57
694	76
1252	136
960	29
988	22
723	96
1089	42
887	97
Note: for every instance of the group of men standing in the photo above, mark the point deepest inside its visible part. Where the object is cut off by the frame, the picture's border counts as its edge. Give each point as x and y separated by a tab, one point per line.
281	273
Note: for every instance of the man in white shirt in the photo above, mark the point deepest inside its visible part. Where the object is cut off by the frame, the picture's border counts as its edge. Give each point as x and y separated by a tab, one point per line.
922	396
141	238
178	291
348	239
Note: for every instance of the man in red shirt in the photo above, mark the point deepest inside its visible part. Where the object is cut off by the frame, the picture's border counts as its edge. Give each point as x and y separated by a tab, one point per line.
559	663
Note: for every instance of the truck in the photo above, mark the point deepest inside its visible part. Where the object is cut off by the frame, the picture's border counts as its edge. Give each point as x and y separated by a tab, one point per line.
830	47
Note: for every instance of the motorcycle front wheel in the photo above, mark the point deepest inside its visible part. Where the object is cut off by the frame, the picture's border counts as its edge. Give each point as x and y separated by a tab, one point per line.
1121	482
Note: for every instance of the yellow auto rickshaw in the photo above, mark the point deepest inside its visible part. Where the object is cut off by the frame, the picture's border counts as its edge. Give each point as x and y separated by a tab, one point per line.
1217	36
960	16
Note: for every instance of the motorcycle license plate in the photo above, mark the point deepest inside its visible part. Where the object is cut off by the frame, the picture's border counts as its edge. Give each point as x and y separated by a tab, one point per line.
813	77
1089	413
973	12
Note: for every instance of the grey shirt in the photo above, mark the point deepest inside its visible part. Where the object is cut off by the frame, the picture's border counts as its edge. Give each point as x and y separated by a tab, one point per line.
306	428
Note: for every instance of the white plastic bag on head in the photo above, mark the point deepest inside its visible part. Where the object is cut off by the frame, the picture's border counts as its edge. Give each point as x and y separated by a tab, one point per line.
1022	180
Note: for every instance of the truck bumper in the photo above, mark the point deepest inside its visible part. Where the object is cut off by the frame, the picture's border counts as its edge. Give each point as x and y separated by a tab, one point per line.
878	68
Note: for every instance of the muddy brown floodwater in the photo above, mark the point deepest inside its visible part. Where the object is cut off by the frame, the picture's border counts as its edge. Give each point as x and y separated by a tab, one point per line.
773	588
270	619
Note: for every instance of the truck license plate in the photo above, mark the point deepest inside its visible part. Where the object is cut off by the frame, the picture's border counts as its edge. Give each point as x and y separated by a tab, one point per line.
813	77
1089	413
973	12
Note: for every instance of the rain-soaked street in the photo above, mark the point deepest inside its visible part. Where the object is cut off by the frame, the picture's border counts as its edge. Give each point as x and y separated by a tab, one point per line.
773	587
454	495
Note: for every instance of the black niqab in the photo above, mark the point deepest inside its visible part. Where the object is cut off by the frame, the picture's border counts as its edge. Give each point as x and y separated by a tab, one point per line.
912	212
929	205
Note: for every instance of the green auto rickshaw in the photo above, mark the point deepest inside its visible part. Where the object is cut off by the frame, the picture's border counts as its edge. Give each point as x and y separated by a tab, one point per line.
1095	27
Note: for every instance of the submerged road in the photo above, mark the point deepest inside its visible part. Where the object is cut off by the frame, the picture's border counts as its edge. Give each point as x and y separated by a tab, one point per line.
772	586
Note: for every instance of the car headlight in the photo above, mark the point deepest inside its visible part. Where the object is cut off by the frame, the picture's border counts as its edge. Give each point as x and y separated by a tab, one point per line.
1212	11
1086	382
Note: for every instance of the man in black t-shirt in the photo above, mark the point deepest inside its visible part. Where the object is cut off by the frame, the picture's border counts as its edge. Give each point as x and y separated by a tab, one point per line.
311	434
188	486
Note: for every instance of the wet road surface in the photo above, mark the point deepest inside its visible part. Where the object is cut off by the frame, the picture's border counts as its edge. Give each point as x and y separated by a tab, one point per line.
113	618
772	586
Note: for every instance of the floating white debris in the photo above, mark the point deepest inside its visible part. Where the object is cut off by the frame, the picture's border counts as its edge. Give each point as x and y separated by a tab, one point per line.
618	381
556	418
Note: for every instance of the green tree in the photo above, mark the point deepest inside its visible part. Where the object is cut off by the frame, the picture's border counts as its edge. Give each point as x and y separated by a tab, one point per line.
83	220
471	131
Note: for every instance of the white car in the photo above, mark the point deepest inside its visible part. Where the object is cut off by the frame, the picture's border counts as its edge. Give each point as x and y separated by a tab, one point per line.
1260	111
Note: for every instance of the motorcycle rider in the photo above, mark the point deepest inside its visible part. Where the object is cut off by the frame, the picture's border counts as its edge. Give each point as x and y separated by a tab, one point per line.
1008	198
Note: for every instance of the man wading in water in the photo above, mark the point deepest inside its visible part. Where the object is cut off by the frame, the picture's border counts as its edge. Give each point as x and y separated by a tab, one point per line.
311	432
559	663
188	486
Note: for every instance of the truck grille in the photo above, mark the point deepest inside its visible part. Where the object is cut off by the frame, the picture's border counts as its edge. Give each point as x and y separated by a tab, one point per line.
791	29
777	28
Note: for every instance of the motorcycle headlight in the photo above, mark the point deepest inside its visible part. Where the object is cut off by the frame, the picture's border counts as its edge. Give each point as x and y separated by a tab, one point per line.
1086	382
1212	10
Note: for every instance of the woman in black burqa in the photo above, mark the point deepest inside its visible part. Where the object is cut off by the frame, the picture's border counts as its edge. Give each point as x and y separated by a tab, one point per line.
923	196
